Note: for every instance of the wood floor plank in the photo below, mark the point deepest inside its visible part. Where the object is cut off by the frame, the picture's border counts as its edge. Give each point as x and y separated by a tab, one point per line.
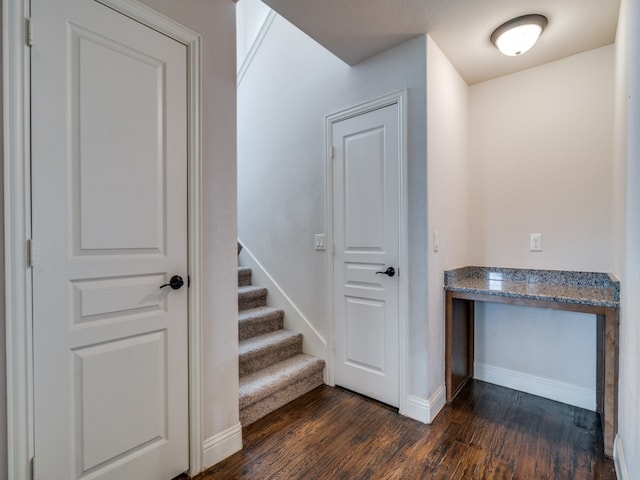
488	433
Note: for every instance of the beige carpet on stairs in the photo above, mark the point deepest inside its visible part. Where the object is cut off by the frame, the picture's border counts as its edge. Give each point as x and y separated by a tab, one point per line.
273	368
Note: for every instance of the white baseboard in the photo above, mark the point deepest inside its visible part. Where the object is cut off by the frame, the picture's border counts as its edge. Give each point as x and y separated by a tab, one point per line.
222	445
619	460
313	343
425	411
543	387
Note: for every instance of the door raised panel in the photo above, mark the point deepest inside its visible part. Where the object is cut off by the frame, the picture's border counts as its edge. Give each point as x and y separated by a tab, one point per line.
362	281
119	414
364	191
365	332
118	152
111	299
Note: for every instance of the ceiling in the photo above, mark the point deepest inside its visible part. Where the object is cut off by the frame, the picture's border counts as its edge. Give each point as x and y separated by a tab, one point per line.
356	29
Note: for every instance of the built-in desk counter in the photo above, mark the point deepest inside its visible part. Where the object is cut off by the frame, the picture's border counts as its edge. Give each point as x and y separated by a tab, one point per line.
585	292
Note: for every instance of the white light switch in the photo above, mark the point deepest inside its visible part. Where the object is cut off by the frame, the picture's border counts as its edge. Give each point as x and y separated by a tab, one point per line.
436	241
535	242
319	241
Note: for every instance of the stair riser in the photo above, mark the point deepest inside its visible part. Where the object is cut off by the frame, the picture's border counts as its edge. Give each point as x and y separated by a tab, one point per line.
251	297
244	278
249	364
252	302
258	326
256	411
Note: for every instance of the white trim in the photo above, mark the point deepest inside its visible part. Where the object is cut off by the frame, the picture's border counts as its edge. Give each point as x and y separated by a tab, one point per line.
619	460
153	19
540	386
403	278
313	342
437	401
399	99
222	445
255	46
196	378
425	411
17	196
17	276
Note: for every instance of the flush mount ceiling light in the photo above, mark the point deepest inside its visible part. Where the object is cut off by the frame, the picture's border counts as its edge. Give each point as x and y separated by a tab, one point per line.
518	35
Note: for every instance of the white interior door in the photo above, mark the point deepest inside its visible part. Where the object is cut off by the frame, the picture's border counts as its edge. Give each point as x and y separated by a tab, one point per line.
366	164
109	206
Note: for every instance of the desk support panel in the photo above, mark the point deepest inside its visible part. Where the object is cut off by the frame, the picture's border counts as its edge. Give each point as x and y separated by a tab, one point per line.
608	372
459	350
460	354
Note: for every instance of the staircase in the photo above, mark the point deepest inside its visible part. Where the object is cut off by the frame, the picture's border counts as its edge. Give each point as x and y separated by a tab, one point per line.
273	369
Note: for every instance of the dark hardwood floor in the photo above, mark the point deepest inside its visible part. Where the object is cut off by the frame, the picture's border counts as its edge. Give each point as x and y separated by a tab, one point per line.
489	432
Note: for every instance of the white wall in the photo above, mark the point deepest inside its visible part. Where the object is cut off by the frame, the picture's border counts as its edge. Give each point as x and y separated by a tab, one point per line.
448	193
626	184
292	84
215	21
250	15
540	162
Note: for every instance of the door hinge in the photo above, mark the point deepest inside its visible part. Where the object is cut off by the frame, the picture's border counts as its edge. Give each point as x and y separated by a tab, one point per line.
333	153
33	468
188	281
31	253
28	31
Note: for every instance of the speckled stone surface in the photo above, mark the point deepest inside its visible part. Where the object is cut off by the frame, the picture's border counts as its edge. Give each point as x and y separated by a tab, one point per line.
587	288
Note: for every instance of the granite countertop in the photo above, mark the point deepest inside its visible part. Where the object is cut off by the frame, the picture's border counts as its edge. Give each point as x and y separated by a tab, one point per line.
587	288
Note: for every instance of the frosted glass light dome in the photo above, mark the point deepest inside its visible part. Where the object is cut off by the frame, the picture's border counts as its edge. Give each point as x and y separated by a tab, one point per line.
518	35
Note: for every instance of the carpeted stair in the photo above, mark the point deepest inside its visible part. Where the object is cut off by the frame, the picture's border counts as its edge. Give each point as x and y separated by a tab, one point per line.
273	369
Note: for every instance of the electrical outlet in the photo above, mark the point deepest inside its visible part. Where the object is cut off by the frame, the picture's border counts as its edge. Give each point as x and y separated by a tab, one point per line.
535	242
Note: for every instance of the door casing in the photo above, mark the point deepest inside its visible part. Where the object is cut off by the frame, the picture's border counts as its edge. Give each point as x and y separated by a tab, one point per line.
17	233
399	99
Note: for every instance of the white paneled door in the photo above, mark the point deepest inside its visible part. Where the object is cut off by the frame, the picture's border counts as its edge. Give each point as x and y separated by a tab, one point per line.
366	174
109	206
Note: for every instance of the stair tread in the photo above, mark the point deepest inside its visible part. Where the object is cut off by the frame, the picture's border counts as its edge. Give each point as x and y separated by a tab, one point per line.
259	312
244	270
252	290
261	384
267	340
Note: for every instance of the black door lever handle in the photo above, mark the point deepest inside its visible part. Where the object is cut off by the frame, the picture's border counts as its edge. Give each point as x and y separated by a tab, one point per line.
175	282
389	271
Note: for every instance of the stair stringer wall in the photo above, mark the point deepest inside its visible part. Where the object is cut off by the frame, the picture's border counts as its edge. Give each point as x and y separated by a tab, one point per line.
313	343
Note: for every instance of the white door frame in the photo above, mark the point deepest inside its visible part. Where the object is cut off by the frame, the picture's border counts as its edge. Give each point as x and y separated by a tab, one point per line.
399	99
17	222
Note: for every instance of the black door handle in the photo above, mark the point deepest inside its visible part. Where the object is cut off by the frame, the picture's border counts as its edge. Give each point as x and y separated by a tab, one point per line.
389	271
175	282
